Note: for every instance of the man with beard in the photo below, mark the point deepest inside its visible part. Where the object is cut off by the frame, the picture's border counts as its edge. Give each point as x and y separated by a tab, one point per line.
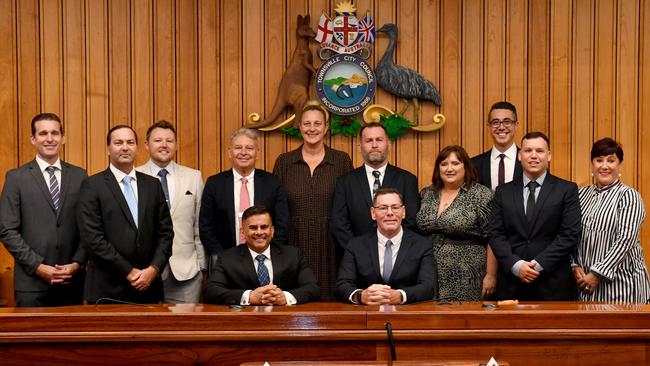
183	187
228	194
356	190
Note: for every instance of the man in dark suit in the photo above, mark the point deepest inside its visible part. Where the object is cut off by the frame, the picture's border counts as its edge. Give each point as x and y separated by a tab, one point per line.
355	190
500	164
261	272
227	195
534	226
38	224
125	225
389	265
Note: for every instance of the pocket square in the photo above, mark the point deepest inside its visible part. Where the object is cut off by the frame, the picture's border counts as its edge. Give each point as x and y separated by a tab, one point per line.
188	193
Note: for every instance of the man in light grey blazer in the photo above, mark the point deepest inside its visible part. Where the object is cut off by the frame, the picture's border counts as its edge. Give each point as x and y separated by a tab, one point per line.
38	224
183	188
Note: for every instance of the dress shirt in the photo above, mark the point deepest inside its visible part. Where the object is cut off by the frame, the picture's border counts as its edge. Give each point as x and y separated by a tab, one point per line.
526	192
119	175
42	165
237	190
171	177
371	178
291	300
381	247
508	162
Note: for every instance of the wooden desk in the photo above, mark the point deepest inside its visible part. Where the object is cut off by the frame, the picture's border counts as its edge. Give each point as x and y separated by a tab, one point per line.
527	334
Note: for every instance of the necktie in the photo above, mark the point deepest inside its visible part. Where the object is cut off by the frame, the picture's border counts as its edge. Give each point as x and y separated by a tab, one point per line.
388	260
377	183
130	198
530	203
244	203
262	271
54	187
163	181
502	169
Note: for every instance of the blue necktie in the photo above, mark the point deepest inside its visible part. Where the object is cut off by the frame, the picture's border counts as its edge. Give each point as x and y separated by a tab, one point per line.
262	271
388	261
54	187
130	198
163	181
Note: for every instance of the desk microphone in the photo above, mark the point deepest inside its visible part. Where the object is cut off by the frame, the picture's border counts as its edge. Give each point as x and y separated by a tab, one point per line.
391	341
109	300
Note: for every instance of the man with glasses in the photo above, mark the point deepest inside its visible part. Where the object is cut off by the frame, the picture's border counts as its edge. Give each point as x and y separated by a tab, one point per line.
499	165
389	265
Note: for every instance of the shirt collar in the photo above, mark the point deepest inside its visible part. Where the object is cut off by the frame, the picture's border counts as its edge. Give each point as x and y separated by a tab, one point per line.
511	153
238	176
155	168
119	175
539	180
370	169
42	164
266	252
295	156
397	239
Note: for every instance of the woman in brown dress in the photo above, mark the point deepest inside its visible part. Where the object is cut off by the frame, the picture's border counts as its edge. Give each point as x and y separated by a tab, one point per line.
309	175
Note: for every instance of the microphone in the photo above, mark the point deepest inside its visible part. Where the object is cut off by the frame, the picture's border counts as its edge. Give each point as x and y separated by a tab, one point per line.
109	300
391	341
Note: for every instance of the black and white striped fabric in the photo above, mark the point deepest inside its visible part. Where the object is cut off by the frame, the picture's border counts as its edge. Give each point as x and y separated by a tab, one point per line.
54	187
610	245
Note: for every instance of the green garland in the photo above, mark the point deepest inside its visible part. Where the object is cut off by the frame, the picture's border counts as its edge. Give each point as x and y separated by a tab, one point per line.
395	125
345	125
292	131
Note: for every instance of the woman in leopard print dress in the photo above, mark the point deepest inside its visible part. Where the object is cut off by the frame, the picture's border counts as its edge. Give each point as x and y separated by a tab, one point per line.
454	212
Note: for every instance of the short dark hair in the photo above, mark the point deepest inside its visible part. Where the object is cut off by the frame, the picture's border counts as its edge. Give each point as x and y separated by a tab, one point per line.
45	117
371	125
503	105
314	105
254	211
606	146
387	190
536	135
471	176
164	124
119	127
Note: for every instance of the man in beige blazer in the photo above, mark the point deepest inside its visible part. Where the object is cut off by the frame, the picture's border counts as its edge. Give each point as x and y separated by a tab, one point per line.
183	188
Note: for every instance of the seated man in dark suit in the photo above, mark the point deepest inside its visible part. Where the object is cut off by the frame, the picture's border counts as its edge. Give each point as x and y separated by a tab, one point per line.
534	227
356	189
389	265
260	272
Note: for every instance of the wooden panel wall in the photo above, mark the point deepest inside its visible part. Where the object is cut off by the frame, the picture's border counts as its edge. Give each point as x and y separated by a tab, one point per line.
578	70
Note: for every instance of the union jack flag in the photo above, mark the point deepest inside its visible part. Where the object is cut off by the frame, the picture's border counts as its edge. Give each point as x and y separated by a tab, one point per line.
366	30
325	30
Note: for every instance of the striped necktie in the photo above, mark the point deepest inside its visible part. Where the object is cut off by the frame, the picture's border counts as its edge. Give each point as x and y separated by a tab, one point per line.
54	187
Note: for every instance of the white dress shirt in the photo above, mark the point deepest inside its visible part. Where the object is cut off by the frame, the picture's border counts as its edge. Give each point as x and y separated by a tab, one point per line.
119	176
371	178
508	163
237	189
42	165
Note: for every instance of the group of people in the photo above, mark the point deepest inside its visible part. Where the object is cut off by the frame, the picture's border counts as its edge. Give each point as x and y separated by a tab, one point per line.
496	226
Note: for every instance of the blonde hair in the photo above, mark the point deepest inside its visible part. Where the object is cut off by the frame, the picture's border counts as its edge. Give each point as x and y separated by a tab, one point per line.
314	105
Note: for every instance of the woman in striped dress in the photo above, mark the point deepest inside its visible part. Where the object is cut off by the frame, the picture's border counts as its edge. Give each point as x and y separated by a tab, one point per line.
608	263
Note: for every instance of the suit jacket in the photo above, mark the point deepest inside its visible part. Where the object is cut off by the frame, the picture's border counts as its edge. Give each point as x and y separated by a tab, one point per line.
115	244
482	164
353	199
188	255
549	238
217	219
414	270
33	231
235	273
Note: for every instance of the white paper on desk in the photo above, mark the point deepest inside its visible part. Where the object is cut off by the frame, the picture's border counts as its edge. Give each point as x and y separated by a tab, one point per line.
492	362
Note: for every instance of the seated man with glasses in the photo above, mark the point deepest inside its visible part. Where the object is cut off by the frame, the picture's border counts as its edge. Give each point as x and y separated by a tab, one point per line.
390	264
500	164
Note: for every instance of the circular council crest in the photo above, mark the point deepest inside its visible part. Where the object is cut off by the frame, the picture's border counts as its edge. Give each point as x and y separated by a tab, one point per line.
345	84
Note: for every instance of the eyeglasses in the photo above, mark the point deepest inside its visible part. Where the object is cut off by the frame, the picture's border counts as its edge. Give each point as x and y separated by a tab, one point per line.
505	122
385	208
